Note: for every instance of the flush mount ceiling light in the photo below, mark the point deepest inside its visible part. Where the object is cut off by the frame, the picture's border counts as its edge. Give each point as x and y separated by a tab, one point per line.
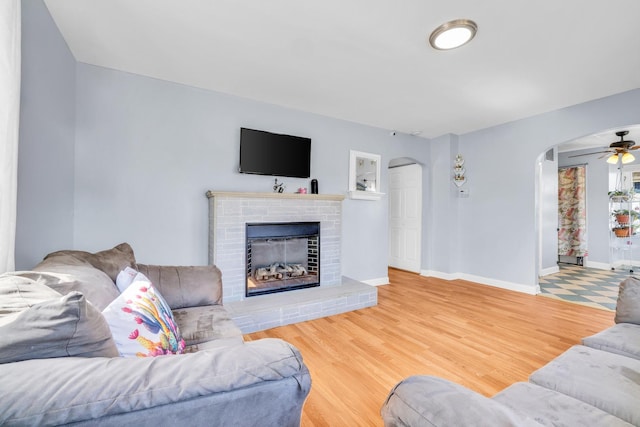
453	34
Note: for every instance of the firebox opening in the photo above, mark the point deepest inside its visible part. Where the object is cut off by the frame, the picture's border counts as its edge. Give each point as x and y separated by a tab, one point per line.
282	256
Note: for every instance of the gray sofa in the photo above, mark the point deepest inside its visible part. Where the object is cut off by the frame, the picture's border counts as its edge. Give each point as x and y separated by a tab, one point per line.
59	364
593	384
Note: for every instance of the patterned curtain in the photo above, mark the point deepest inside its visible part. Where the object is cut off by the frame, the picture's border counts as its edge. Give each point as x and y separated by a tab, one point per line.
572	215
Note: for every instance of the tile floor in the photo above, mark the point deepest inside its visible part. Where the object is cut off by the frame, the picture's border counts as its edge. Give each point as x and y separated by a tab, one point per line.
582	285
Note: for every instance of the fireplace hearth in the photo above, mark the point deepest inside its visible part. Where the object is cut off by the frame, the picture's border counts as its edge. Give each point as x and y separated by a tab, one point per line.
282	257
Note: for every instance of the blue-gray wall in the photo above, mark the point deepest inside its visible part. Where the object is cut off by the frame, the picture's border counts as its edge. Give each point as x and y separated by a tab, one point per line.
497	223
108	157
547	205
147	151
46	147
135	161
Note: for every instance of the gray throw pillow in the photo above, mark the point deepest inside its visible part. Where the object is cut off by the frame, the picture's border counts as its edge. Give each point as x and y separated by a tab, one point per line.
111	261
628	306
36	322
65	273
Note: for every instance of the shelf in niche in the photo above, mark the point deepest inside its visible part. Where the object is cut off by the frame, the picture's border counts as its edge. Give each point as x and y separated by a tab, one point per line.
365	195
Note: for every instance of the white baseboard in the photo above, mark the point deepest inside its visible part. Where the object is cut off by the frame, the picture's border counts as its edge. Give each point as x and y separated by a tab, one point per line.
550	270
621	264
377	282
598	265
440	275
518	287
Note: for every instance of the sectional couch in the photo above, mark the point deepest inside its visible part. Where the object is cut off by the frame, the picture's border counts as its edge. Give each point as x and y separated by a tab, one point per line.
60	365
593	384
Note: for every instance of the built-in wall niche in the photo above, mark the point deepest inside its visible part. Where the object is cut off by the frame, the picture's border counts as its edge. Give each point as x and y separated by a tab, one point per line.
364	176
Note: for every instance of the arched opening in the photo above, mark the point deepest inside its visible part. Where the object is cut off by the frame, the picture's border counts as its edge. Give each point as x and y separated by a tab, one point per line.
563	240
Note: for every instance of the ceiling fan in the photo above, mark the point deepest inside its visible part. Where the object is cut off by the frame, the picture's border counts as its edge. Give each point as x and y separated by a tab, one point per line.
619	150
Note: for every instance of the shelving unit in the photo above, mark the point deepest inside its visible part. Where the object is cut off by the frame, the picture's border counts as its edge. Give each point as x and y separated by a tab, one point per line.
624	223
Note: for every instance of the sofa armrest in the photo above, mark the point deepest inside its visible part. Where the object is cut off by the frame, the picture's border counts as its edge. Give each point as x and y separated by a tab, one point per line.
184	286
71	389
431	401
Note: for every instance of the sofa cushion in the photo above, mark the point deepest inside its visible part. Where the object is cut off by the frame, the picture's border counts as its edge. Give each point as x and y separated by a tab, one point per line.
142	324
186	286
36	322
92	390
628	305
554	409
623	338
204	324
67	274
436	402
605	380
110	261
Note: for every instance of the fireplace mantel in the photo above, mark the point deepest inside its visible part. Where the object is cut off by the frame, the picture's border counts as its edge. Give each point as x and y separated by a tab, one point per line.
335	197
229	212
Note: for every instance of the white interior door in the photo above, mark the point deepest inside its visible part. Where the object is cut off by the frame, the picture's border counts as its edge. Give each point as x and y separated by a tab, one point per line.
405	217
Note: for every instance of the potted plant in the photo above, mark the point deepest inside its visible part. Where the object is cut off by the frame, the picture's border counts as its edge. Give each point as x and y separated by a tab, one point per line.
625	216
621	195
622	230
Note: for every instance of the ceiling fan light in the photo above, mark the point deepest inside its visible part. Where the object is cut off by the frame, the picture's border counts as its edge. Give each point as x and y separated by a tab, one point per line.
613	159
627	158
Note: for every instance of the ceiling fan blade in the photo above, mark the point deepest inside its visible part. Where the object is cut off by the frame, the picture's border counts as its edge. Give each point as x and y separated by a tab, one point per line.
635	148
589	154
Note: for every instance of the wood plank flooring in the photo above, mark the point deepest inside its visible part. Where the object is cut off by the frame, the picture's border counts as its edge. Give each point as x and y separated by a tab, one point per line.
482	337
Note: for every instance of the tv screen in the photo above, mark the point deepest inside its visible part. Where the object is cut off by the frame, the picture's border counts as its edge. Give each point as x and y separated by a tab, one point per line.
266	153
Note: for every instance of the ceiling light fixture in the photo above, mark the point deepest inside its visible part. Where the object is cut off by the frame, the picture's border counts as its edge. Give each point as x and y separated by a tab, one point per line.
613	159
453	34
624	158
627	158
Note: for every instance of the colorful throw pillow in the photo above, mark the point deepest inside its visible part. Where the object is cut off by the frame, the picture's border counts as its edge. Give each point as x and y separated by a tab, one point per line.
142	323
127	277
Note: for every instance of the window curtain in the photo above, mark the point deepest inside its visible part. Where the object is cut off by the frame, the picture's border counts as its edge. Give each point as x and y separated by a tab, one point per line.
572	212
10	27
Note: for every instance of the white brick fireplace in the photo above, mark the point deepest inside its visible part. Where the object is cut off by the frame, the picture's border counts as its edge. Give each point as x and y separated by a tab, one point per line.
229	212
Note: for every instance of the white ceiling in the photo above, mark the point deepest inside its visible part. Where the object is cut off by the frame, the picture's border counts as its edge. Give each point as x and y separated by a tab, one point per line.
368	61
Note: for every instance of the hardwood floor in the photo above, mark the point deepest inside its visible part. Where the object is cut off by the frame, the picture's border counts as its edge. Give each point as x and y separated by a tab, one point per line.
482	337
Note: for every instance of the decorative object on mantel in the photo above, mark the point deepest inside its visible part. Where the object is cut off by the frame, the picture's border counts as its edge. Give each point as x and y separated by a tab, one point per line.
364	176
458	171
314	186
279	188
302	190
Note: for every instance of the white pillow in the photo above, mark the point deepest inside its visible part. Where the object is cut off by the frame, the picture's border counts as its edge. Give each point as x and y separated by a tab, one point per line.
142	323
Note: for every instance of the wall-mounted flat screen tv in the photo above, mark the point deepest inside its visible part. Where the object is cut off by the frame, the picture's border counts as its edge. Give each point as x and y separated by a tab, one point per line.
266	153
